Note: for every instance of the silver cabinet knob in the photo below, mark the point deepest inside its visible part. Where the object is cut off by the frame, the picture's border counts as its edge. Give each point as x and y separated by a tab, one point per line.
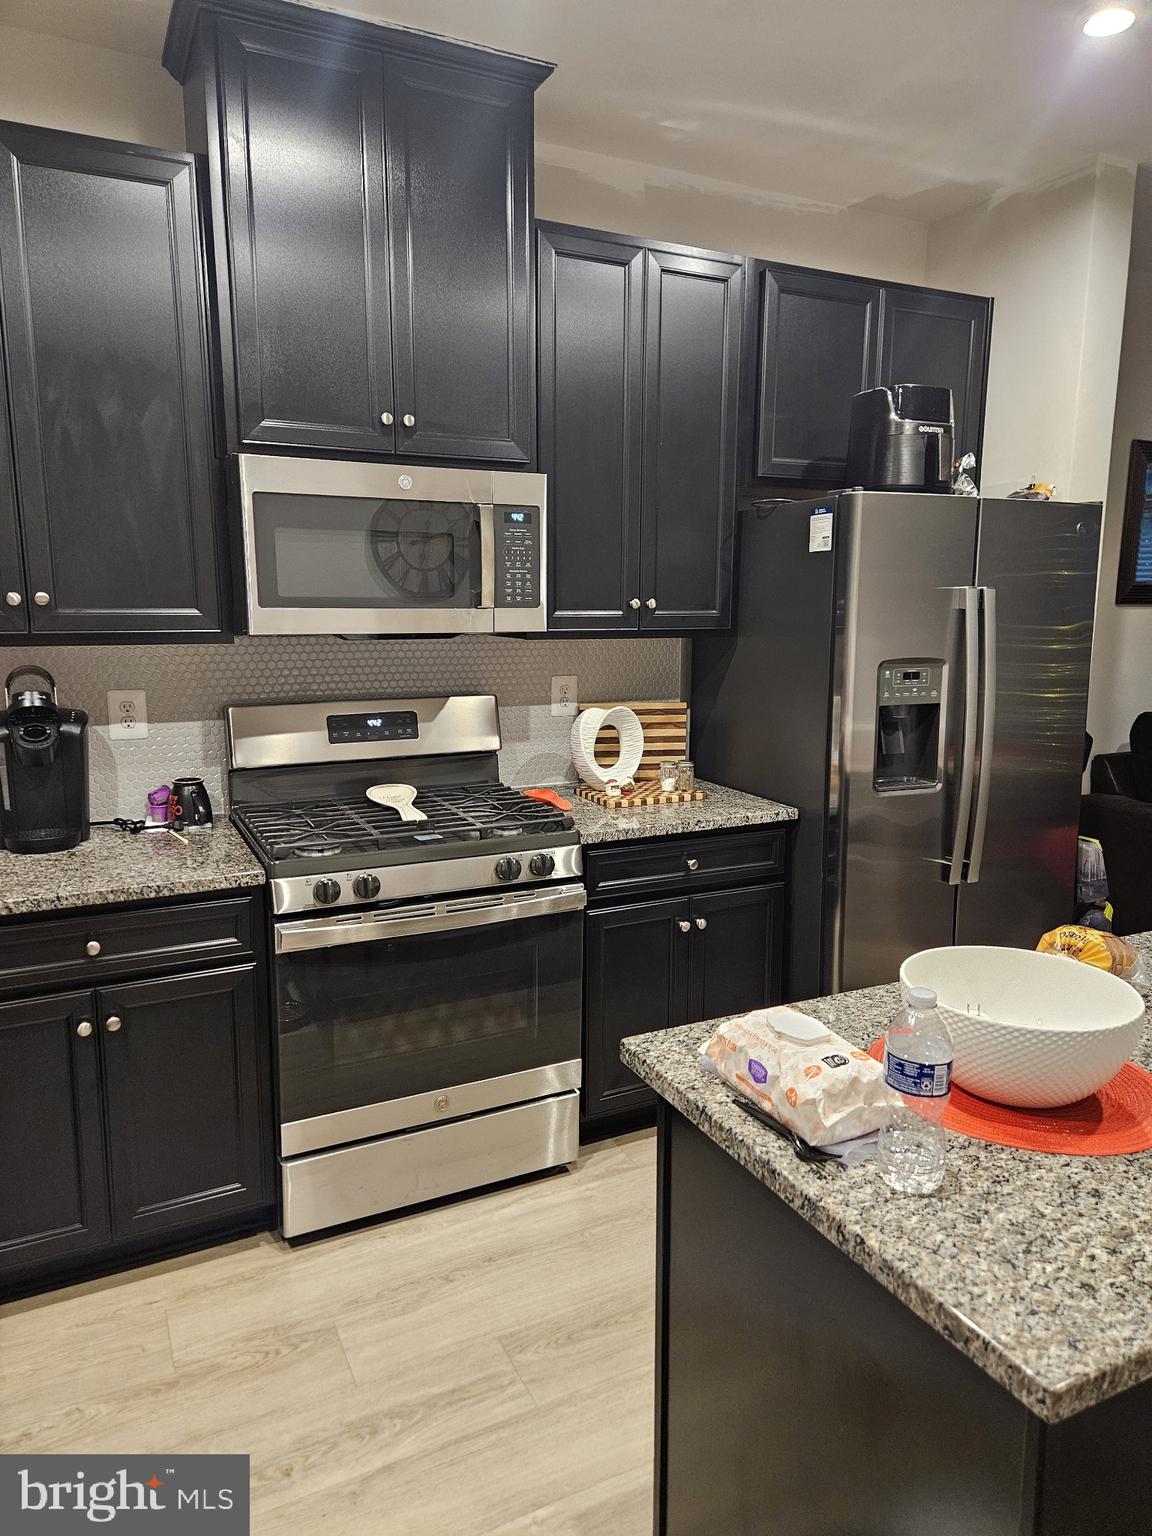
634	602
651	602
112	1023
84	1029
684	925
92	948
387	418
701	923
13	599
41	599
693	863
409	421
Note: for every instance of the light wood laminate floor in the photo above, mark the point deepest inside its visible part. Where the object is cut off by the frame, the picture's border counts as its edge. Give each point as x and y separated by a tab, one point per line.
484	1368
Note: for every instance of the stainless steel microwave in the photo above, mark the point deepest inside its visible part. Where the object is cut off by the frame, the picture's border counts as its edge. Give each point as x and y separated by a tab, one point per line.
353	548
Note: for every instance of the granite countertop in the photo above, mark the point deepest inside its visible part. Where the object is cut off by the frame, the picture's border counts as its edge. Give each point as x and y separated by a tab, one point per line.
723	808
113	866
1036	1266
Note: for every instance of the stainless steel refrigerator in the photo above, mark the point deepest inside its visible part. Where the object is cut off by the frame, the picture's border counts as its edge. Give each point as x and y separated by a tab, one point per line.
911	671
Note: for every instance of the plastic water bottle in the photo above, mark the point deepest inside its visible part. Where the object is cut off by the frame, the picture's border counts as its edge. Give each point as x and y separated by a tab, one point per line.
918	1065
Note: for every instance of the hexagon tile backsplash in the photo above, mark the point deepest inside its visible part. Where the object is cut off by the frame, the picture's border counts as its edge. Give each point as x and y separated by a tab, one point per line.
188	687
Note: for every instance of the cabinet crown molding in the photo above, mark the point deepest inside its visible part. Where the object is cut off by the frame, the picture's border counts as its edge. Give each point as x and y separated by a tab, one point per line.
337	28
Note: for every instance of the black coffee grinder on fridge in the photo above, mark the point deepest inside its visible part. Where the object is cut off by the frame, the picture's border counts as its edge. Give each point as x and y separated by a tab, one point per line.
45	779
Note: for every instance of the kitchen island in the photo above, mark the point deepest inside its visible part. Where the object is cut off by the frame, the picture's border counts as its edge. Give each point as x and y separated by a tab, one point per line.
835	1360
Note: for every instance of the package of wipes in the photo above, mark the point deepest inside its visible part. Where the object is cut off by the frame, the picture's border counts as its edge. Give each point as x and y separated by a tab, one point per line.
799	1071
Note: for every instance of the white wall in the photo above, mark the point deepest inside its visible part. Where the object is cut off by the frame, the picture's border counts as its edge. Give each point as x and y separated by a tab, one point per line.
57	83
1122	658
1054	260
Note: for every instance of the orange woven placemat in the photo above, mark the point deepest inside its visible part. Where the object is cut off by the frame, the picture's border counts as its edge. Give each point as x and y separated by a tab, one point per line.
1116	1119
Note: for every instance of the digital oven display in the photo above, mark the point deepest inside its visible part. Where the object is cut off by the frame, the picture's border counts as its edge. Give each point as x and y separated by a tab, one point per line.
395	725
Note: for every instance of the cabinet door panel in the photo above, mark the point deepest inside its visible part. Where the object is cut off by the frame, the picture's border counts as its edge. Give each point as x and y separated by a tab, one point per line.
101	290
691	376
458	149
636	980
591	384
13	616
303	126
817	350
735	963
54	1199
185	1105
938	338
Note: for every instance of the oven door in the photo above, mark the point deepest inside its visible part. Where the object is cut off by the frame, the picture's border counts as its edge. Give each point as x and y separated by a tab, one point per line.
426	1013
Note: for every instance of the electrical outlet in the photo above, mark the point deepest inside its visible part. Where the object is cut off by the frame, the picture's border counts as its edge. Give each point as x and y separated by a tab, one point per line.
127	714
563	695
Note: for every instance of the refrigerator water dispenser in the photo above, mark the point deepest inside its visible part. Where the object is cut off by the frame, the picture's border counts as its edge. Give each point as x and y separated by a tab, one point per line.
908	698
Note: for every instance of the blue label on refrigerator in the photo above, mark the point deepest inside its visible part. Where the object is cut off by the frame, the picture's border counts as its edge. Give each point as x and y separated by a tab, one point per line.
918	1079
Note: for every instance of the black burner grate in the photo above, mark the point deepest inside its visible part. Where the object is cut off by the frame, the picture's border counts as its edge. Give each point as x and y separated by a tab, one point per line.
465	813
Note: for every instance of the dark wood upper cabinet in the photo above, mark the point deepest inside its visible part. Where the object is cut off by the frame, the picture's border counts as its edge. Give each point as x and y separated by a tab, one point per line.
302	134
939	338
591	396
186	1105
639	374
459	182
820	338
691	377
13	586
55	1198
817	350
371	194
101	307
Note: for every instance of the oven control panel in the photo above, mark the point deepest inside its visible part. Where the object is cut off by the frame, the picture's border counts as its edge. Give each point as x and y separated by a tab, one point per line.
389	725
518	557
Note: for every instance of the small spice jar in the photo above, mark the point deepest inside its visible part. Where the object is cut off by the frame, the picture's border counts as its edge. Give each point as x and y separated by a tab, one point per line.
668	777
685	776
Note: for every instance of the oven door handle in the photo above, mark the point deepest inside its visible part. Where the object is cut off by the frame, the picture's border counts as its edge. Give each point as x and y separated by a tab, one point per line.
443	917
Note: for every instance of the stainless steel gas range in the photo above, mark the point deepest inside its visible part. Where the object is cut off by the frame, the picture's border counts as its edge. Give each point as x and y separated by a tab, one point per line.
426	972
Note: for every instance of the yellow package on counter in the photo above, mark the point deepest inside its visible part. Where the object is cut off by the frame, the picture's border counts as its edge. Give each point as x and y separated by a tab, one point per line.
1104	950
812	1080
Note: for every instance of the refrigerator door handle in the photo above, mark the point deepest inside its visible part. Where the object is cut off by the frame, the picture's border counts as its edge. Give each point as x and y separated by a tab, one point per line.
969	600
987	732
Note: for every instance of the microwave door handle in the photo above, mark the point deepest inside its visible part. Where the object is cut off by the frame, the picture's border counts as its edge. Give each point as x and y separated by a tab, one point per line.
969	607
487	555
987	734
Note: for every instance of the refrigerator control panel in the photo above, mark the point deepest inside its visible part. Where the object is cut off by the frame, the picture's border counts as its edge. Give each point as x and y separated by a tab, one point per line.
903	682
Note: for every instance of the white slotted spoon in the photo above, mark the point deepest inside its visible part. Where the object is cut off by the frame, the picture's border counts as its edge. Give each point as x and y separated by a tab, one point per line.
399	797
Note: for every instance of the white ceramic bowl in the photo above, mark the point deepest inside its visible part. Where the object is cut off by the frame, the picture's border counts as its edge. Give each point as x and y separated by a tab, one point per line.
1028	1029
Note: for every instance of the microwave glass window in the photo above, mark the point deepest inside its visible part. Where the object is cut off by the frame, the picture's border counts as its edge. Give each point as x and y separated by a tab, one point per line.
351	552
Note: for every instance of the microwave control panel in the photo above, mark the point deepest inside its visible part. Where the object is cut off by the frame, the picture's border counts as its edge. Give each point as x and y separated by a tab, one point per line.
518	557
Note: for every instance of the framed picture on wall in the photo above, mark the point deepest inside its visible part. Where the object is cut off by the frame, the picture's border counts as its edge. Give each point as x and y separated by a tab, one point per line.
1134	579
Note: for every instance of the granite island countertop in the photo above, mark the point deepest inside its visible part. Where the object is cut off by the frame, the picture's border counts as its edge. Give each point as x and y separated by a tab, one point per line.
723	809
113	866
1037	1266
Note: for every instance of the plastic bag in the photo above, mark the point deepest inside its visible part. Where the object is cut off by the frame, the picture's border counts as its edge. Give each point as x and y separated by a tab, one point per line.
812	1080
1105	950
963	481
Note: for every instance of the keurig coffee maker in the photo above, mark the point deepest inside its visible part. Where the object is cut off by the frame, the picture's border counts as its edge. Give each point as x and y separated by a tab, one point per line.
900	439
45	749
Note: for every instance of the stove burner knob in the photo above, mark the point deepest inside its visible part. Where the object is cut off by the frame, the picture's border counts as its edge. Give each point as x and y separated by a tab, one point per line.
508	869
541	865
367	887
326	891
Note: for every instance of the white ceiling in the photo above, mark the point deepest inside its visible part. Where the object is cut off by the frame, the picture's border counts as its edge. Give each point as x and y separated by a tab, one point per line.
910	106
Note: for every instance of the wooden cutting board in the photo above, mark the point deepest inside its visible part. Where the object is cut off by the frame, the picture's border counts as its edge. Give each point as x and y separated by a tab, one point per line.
665	723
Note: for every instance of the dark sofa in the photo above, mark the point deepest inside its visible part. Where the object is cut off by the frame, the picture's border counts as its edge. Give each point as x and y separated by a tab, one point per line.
1118	812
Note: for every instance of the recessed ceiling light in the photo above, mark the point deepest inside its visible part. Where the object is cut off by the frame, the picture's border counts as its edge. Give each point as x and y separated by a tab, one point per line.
1107	20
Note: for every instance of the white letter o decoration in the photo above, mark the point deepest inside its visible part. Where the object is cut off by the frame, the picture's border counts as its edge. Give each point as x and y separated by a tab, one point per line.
585	729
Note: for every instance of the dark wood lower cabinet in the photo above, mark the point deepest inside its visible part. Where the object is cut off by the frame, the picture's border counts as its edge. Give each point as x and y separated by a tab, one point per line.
53	1194
135	1114
183	1086
654	965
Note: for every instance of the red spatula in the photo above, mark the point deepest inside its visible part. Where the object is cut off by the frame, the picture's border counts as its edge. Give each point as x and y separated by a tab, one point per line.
549	797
